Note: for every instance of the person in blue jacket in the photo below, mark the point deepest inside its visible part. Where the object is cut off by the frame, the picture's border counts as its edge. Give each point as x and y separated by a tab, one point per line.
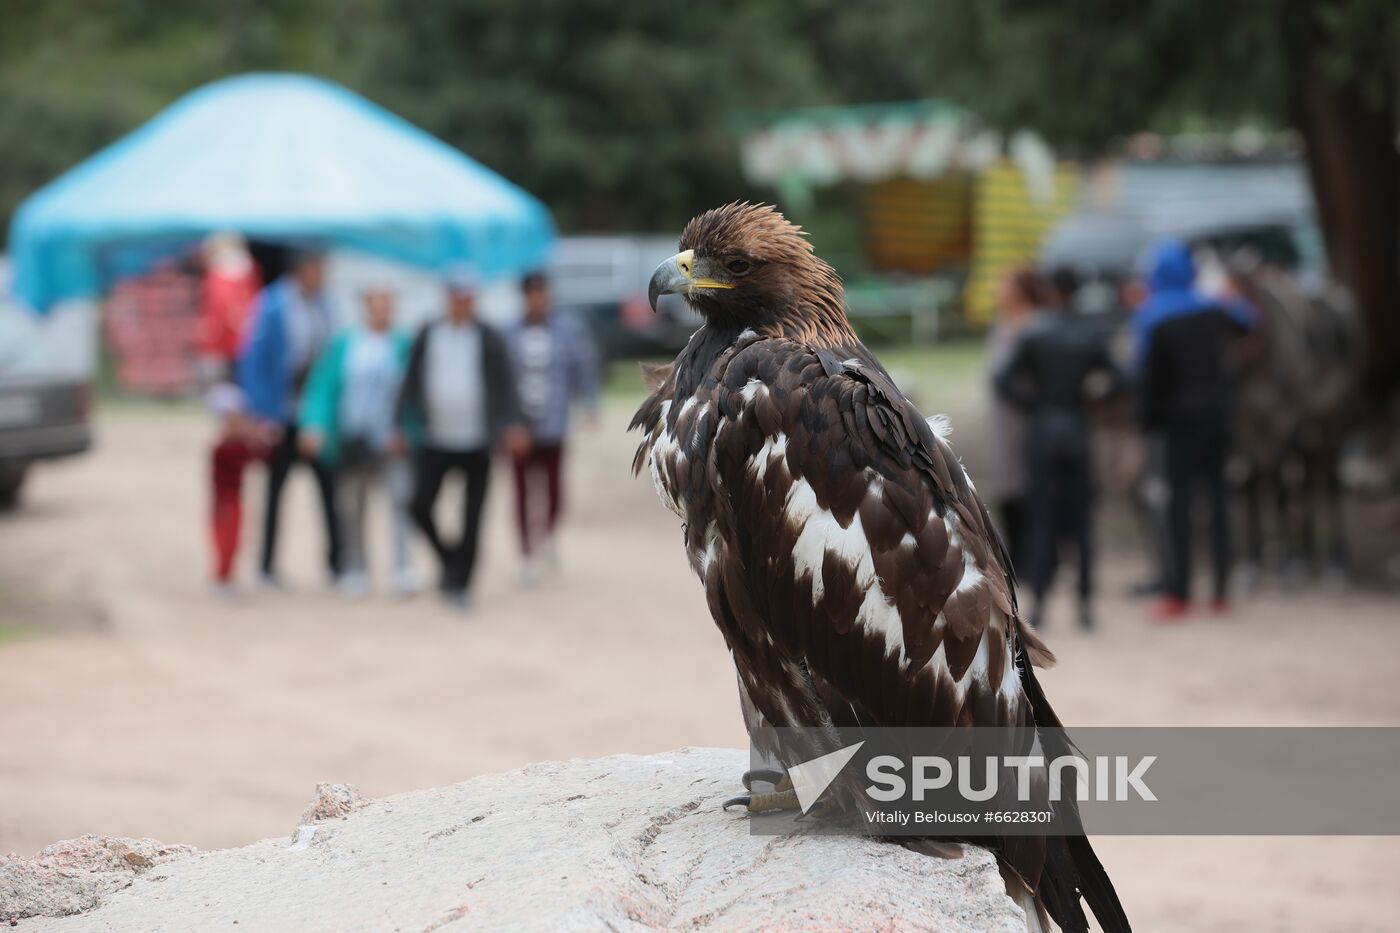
292	324
349	422
1186	400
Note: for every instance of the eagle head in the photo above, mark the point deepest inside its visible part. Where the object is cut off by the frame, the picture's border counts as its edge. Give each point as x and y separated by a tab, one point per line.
747	265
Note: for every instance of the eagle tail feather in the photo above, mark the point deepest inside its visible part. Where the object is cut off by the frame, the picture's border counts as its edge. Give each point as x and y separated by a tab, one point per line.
1072	870
1038	651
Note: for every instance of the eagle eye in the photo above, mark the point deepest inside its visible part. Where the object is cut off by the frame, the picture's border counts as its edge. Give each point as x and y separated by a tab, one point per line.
738	265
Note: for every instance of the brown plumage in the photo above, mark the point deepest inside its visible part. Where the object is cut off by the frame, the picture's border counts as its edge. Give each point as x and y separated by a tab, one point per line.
847	560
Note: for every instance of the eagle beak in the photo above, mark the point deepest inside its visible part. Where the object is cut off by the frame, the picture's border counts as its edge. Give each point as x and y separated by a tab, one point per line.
677	275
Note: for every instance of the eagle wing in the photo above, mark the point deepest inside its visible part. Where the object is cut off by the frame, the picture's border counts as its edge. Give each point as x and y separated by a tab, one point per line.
841	543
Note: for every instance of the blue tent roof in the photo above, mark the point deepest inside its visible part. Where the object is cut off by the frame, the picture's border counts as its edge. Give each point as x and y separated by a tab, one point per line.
283	157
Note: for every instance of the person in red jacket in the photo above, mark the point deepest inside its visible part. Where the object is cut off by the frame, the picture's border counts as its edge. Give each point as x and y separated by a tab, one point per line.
231	282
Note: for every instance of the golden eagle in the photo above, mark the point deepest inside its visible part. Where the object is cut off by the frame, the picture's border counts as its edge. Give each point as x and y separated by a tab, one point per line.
847	560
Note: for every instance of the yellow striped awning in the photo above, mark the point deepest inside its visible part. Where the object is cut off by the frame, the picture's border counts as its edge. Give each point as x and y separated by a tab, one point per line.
1008	226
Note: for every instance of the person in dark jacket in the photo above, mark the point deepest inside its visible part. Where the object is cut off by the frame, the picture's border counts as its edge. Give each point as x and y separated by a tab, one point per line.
1186	395
460	386
1057	367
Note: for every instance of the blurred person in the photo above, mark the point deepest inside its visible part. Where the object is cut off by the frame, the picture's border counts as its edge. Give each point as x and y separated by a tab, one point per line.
1058	365
555	365
349	422
1006	484
239	443
292	325
1150	488
230	284
460	385
1186	397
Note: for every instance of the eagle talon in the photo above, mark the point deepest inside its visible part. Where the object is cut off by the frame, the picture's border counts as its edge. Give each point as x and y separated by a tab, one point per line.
765	803
778	779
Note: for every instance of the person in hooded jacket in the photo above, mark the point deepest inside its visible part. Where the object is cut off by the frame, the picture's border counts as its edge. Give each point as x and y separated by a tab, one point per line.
1186	396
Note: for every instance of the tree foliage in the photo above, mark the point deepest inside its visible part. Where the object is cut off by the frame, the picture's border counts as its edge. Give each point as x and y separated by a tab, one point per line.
619	113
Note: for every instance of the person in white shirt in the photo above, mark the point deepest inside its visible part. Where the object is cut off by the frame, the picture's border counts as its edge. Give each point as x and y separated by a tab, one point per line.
460	389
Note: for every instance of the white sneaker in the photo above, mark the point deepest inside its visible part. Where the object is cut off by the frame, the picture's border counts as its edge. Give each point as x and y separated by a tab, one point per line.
461	600
353	585
225	591
530	571
549	554
404	583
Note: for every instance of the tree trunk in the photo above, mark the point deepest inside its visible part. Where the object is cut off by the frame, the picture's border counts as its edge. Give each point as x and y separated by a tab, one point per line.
1355	174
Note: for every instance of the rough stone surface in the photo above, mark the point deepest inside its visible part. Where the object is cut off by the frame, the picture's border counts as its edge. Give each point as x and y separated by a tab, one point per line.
625	843
72	876
331	801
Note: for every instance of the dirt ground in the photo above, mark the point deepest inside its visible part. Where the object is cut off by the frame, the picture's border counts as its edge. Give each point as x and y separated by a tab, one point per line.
132	703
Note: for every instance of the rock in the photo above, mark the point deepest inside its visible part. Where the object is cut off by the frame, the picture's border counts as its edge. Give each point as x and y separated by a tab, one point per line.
331	801
626	843
72	876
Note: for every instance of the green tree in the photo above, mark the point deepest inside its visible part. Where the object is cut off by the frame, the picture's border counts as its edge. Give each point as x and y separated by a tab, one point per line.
617	114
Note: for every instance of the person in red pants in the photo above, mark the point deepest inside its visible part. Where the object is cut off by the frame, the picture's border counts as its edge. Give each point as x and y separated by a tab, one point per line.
237	446
538	471
556	366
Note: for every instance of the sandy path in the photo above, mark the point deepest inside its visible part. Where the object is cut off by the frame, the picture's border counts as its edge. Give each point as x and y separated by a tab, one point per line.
143	708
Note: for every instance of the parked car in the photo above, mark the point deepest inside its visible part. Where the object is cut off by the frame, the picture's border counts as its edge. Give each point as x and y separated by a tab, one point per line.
605	278
46	372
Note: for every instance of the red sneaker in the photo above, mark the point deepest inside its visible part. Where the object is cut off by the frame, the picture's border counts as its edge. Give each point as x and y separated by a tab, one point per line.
1170	609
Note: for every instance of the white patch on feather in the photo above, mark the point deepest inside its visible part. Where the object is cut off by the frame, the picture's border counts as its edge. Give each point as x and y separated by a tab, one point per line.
665	449
954	527
942	427
773	449
711	553
878	616
751	389
699	422
1010	686
875	484
971	577
821	532
977	670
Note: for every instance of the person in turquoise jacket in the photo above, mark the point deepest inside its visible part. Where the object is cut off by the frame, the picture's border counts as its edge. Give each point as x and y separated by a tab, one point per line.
348	422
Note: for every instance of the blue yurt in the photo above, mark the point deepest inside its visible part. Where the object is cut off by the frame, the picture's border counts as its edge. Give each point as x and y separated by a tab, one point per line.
278	157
